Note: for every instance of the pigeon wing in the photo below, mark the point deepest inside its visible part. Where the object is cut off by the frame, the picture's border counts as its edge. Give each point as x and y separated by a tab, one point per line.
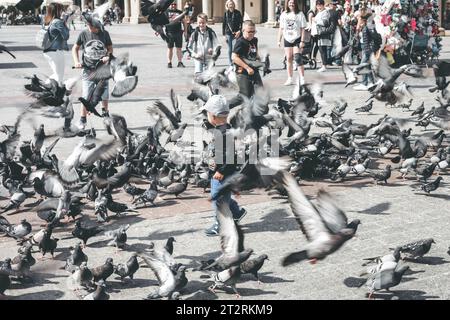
305	213
229	237
124	86
333	217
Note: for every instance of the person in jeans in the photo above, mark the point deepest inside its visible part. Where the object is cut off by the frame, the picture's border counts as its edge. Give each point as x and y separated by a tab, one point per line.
292	29
174	33
58	35
202	44
367	48
325	30
97	48
231	27
220	166
247	48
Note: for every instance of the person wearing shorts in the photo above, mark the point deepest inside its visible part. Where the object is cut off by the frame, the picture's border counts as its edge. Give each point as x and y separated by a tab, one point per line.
175	36
292	28
97	48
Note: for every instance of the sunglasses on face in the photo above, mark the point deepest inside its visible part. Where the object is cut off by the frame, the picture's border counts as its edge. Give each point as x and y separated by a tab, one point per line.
254	31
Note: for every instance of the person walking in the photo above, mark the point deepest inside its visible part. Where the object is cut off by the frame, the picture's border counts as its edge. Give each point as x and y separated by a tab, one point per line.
174	33
97	48
367	48
325	31
58	35
220	167
312	29
231	27
202	44
247	48
292	29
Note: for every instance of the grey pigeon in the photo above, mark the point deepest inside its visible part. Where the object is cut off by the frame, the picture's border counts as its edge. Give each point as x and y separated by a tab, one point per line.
48	244
231	240
128	269
431	186
17	231
228	277
149	195
325	226
387	277
84	233
76	258
165	276
80	278
417	249
253	265
104	271
99	293
380	175
100	206
118	236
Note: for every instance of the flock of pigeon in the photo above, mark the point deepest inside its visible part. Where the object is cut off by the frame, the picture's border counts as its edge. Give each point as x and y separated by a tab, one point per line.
95	170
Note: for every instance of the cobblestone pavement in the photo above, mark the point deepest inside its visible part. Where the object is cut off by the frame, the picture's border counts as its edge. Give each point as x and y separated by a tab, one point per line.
391	214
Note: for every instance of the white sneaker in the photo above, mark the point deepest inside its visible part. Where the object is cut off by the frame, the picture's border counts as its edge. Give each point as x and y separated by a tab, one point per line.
322	69
302	81
289	82
370	84
360	87
81	125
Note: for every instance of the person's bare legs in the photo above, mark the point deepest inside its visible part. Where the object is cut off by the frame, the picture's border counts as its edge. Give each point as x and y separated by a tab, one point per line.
288	52
179	55
169	55
300	68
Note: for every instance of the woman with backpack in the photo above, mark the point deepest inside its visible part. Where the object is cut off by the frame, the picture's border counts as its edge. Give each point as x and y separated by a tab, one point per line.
58	36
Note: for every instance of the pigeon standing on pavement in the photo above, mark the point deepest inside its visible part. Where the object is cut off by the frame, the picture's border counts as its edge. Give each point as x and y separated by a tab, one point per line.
416	249
432	186
128	269
80	278
77	257
386	278
118	236
85	233
99	293
253	265
17	231
104	271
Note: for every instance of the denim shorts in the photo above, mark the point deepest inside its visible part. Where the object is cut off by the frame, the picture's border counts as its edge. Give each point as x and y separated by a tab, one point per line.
88	86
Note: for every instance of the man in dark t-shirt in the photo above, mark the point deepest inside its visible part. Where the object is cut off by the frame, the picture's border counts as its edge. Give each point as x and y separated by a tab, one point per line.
97	47
174	33
245	51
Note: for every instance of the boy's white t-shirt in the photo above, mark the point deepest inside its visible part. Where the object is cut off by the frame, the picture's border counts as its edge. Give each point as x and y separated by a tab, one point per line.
291	24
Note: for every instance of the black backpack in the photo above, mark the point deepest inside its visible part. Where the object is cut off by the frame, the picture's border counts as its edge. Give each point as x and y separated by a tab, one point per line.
376	38
211	33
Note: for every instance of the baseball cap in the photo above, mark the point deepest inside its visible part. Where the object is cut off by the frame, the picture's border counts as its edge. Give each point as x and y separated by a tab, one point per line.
217	105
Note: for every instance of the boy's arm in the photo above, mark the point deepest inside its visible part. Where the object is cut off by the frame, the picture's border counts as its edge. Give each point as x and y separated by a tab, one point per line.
75	55
239	62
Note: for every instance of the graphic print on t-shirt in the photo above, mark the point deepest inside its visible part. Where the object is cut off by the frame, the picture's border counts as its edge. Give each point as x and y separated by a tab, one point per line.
252	51
93	52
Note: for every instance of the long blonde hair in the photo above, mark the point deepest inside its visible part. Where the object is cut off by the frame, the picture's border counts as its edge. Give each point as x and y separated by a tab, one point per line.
228	2
54	10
